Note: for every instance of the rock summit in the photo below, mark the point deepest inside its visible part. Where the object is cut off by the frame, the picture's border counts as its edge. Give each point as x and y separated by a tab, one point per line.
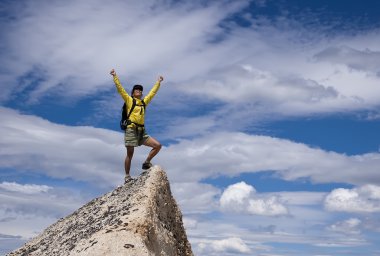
139	218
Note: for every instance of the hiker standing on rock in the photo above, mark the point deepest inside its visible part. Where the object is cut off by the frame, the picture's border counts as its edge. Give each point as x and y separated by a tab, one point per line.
135	134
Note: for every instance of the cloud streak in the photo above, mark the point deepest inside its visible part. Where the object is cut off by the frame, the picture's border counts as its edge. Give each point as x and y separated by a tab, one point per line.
59	151
211	155
92	154
25	189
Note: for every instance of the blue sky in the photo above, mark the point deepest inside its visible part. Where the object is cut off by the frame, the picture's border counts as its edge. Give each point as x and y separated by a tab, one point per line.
268	116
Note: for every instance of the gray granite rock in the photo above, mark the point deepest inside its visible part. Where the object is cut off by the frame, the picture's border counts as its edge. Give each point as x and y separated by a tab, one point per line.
139	218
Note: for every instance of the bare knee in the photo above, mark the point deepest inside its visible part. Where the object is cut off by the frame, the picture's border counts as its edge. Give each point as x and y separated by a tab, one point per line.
157	146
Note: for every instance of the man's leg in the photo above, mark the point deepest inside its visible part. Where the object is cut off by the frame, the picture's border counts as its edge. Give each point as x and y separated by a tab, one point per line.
128	159
156	147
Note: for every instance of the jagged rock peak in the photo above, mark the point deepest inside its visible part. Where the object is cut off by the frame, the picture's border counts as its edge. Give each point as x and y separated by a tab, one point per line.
139	218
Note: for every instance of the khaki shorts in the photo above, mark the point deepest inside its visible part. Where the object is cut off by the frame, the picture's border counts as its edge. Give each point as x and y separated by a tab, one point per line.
135	137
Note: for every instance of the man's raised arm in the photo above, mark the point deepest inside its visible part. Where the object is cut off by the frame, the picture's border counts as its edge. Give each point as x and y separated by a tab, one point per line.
119	87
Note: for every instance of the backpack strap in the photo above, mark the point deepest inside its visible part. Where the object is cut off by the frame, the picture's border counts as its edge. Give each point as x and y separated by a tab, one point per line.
143	105
133	106
125	117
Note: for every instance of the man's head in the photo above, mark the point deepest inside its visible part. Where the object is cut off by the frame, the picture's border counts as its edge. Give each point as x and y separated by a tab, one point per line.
137	91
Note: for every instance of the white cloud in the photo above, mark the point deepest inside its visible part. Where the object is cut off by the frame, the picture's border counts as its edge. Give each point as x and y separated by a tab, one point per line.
228	245
236	195
302	197
305	227
26	209
91	154
205	201
189	223
25	189
364	199
248	84
305	214
81	153
362	60
68	51
230	154
307	86
70	48
241	198
349	226
269	206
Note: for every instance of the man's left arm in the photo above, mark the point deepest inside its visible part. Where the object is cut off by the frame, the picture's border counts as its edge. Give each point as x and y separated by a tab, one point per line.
153	91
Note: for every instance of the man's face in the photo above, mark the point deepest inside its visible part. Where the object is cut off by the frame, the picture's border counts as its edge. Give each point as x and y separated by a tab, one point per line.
137	93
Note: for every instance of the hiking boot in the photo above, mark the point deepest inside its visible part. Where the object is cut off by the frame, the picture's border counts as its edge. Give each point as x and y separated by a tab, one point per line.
146	165
127	179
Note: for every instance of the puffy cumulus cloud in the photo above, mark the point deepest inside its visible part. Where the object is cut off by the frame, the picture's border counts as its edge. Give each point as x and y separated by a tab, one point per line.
364	199
236	195
232	245
230	154
241	197
349	226
25	189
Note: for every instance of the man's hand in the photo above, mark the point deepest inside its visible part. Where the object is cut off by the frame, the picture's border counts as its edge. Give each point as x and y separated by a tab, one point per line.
113	72
160	79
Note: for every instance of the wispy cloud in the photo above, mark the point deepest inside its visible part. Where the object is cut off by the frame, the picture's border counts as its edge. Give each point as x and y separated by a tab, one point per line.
349	226
76	44
261	65
59	151
363	60
230	154
90	154
25	189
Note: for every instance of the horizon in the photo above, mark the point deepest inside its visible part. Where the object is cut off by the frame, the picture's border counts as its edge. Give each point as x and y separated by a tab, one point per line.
268	116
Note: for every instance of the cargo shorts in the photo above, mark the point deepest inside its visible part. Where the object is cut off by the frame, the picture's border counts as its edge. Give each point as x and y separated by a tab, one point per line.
135	136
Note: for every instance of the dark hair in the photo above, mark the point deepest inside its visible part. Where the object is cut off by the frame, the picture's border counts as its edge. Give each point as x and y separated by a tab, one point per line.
136	87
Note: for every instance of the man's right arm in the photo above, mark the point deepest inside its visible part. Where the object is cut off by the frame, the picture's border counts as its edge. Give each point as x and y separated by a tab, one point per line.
119	87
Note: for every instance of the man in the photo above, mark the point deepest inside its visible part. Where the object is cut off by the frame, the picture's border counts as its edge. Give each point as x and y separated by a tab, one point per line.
135	134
